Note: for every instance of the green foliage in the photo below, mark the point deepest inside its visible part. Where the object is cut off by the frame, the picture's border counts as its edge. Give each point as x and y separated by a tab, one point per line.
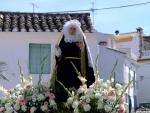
97	75
21	73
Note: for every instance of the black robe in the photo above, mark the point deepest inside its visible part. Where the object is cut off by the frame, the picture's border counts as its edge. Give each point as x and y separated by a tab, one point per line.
66	73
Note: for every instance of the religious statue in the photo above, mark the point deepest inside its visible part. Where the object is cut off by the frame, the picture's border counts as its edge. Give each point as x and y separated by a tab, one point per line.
73	55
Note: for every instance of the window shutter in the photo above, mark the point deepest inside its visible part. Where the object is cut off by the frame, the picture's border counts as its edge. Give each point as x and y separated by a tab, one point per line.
37	52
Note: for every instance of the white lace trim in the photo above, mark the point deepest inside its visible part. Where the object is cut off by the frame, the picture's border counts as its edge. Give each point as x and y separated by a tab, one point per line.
72	38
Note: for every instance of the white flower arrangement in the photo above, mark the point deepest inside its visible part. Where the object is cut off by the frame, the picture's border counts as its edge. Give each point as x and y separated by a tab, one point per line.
28	98
100	97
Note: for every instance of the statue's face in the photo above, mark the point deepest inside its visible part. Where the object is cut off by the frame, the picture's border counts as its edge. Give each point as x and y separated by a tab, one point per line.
72	30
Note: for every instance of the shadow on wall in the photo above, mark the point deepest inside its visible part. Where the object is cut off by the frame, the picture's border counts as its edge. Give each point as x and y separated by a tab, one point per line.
3	67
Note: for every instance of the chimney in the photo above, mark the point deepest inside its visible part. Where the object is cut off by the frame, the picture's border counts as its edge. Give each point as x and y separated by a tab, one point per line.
139	30
117	32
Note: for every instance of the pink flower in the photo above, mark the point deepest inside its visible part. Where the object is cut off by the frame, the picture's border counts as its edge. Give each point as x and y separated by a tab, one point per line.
2	109
122	100
111	93
122	109
51	96
23	102
45	88
27	88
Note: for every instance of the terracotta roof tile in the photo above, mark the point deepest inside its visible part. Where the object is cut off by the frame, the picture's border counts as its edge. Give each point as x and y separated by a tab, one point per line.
41	22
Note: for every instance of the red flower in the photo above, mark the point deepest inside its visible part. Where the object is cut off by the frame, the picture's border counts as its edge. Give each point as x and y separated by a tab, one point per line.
122	109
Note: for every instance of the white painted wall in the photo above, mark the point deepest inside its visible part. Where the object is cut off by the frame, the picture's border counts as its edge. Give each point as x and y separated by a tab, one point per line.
143	84
130	74
133	46
14	46
107	59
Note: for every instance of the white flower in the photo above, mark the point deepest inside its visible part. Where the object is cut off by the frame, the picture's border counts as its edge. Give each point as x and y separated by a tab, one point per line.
75	104
112	98
98	82
86	107
100	100
3	91
108	82
88	100
44	108
98	95
34	99
81	90
118	86
108	108
70	100
82	97
20	97
83	80
18	93
90	92
112	80
9	110
76	110
7	105
17	106
24	108
3	100
33	109
41	97
104	85
100	105
92	86
52	102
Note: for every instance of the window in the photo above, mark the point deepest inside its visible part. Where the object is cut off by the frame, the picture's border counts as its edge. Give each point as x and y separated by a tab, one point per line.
39	54
103	43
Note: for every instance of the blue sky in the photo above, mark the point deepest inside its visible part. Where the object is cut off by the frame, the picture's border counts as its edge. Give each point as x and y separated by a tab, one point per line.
106	21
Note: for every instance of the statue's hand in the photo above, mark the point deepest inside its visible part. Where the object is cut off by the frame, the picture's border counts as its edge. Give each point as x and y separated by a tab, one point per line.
78	44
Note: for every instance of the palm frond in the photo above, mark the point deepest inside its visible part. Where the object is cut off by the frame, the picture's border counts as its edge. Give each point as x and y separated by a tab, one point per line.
21	72
96	68
64	87
112	71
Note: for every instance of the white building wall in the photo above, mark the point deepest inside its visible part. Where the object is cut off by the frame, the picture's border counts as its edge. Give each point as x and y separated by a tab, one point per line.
107	59
143	80
130	74
135	47
14	46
